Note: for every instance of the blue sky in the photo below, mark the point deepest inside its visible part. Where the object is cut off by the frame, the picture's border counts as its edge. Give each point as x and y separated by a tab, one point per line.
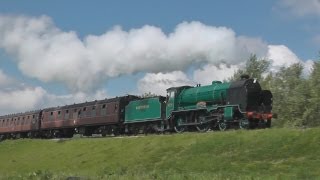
282	30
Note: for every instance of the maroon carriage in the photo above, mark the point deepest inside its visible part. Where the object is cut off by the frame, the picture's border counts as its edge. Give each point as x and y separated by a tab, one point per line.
95	117
20	125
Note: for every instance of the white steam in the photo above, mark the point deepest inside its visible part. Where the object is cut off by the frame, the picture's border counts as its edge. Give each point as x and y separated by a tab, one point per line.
49	54
278	55
45	52
158	83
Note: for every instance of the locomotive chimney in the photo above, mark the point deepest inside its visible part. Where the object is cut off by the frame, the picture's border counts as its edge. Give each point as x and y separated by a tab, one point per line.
244	76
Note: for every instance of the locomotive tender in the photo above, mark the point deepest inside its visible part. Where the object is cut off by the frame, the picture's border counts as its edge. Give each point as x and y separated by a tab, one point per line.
241	104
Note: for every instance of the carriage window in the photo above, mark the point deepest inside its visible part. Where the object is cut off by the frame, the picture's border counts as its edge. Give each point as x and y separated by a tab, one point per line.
93	111
66	114
84	112
115	107
33	116
59	114
74	114
103	110
51	116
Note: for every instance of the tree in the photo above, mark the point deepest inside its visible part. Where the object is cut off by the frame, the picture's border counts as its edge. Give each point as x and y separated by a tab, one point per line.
312	113
289	95
255	68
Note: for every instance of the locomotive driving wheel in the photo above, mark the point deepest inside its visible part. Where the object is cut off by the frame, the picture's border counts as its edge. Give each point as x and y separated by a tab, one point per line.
178	127
159	127
203	126
244	124
223	126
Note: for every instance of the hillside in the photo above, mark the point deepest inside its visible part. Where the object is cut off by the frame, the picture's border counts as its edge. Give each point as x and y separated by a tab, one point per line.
270	153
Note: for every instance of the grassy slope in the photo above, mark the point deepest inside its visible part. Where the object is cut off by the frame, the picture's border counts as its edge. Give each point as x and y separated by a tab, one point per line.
271	153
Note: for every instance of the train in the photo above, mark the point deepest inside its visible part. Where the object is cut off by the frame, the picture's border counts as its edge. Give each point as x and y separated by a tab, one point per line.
240	104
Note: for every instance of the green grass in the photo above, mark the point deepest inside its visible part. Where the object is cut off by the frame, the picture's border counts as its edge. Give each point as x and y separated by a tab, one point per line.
257	154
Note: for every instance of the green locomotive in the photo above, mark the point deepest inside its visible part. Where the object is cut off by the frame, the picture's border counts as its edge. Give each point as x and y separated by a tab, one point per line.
220	105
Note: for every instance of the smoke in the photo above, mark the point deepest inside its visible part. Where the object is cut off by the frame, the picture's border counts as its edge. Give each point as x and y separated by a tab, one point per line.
157	83
210	73
45	52
278	55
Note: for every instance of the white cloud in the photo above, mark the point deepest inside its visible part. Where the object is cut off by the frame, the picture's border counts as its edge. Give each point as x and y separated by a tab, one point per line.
282	56
308	67
45	52
316	39
4	79
30	98
301	7
18	97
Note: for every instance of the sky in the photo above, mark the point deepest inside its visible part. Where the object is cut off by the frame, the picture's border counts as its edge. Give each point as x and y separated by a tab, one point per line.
54	53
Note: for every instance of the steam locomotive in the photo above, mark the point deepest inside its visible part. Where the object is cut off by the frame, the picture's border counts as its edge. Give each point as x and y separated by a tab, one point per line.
220	105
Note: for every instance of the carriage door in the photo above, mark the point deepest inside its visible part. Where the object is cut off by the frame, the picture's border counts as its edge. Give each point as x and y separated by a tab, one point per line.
34	122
